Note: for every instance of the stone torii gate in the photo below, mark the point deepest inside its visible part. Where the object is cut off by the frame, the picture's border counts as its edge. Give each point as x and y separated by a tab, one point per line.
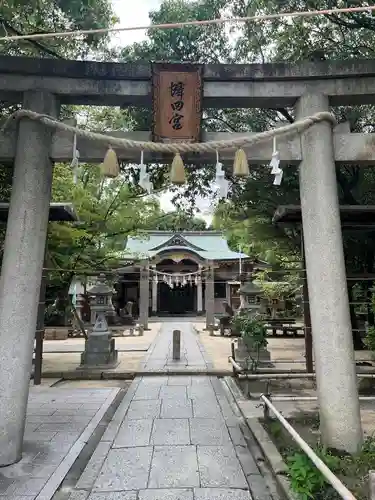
43	85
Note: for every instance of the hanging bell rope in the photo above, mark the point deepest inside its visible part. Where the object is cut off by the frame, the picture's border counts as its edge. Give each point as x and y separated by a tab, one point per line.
110	166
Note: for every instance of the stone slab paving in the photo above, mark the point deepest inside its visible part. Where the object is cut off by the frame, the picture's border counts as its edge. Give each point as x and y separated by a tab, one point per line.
193	356
62	357
173	438
79	347
59	423
123	344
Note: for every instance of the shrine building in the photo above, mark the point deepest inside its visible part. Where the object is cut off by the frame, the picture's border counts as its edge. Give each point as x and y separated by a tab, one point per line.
185	273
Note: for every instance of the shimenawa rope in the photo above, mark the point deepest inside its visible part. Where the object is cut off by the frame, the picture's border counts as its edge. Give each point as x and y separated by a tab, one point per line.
180	147
110	165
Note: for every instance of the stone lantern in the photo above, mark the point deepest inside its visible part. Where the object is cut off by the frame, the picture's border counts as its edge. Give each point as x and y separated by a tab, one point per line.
100	299
251	301
100	346
250	297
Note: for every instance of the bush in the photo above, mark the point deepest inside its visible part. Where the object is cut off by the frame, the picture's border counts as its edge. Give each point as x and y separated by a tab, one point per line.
253	332
370	338
306	480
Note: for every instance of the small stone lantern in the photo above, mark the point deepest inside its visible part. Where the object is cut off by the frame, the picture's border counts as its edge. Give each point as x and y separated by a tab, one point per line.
251	301
100	299
100	346
250	297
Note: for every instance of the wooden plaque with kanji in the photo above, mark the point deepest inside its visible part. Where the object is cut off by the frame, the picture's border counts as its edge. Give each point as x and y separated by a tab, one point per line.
177	102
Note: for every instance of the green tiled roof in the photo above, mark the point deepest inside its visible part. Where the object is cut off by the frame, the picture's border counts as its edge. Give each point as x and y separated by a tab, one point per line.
209	245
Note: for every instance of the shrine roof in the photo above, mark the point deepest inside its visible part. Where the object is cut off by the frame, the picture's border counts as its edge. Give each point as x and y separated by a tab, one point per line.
208	245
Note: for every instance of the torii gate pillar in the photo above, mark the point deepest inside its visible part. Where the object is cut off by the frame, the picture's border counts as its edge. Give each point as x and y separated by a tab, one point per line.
329	305
21	270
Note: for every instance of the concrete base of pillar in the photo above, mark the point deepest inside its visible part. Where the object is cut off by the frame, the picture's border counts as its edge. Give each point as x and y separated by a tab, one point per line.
242	354
99	352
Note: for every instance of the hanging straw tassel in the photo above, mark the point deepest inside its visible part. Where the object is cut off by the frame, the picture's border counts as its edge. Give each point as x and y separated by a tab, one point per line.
240	165
177	174
110	167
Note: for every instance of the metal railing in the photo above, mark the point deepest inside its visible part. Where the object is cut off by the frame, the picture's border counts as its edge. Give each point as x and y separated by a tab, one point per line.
242	373
319	464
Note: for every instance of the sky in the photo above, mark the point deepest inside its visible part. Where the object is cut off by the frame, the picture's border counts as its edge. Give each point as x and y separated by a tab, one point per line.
137	15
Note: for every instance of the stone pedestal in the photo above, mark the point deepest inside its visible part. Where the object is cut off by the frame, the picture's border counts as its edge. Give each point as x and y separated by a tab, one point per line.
100	352
242	354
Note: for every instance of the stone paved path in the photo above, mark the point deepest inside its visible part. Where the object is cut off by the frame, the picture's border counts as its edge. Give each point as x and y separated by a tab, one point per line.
59	422
192	351
173	438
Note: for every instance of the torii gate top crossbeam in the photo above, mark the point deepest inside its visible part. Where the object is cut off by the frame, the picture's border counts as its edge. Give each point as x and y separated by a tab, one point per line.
250	85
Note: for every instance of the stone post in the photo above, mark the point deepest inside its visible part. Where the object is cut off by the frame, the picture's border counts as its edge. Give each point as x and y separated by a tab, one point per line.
21	271
144	291
199	292
210	295
176	345
155	292
326	277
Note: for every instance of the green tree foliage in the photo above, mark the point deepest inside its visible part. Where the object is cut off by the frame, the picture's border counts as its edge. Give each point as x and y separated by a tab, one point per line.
21	17
180	221
190	44
187	44
247	217
108	212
